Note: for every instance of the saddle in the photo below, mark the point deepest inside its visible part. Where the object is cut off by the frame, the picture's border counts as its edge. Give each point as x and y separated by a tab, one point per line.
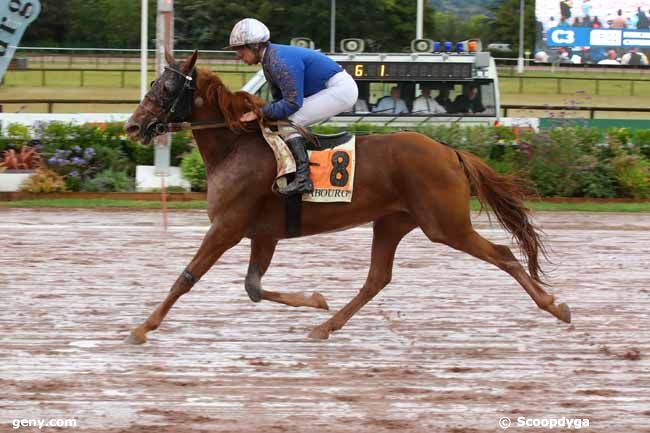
327	141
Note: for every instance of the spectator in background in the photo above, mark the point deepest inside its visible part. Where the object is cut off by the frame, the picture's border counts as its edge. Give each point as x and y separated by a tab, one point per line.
443	98
576	22
546	26
361	106
468	102
643	23
563	55
549	25
611	59
392	104
564	23
542	57
425	104
634	57
619	22
586	8
596	24
586	21
565	9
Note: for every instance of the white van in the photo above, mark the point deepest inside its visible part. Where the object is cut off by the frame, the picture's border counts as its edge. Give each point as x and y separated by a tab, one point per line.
450	73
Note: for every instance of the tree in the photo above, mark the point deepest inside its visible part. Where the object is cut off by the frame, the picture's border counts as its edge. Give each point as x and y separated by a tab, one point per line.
49	27
506	23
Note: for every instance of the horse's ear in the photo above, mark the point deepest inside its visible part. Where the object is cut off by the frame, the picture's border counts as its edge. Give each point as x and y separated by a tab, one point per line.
190	62
169	58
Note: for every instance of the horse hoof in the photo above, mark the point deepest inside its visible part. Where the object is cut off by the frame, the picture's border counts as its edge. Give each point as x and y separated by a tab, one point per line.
319	333
565	313
135	339
320	301
562	312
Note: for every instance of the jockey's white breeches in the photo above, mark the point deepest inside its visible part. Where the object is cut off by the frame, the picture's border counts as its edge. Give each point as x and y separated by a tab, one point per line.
339	95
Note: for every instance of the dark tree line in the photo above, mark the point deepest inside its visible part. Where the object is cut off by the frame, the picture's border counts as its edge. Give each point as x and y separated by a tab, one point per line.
387	25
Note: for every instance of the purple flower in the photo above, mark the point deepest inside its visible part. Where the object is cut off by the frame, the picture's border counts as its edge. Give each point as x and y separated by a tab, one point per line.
89	152
77	161
53	161
77	149
74	173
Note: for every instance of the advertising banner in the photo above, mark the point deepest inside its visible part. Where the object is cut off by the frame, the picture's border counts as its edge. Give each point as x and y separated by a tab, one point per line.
593	31
15	16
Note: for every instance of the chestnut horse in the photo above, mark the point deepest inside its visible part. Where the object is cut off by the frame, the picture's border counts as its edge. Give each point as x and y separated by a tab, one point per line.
402	181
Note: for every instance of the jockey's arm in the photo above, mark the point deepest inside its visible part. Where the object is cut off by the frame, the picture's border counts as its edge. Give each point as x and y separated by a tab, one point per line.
289	76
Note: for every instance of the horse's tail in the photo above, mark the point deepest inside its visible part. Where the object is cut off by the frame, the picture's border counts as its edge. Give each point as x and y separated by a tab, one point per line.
505	196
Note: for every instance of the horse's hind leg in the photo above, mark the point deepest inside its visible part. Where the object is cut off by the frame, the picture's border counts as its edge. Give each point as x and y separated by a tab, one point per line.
387	233
502	257
215	243
451	225
261	254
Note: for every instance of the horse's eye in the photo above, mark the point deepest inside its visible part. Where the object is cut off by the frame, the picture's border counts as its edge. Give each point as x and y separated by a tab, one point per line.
152	83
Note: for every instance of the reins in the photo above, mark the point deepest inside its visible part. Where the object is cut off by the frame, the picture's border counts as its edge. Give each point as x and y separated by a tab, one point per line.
163	128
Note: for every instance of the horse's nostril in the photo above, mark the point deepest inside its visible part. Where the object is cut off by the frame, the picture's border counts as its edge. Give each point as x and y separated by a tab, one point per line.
132	129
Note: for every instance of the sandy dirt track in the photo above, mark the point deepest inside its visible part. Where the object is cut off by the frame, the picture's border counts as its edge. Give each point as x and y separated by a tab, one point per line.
451	345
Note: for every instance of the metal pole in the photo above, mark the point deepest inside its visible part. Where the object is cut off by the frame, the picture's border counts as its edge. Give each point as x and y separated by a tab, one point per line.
164	42
420	20
143	48
333	27
520	60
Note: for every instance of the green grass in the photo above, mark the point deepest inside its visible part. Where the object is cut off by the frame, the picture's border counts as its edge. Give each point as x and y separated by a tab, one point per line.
234	78
589	207
98	84
200	204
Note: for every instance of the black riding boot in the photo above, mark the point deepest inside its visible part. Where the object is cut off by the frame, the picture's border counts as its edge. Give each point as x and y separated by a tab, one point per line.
301	183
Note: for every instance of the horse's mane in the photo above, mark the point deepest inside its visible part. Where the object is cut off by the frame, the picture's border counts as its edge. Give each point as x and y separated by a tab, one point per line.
231	104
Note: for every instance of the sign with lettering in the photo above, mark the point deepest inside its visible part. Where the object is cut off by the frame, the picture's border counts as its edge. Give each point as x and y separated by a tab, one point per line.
15	16
587	37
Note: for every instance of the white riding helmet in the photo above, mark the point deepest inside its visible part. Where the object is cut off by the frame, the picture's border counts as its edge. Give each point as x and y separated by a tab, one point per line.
248	31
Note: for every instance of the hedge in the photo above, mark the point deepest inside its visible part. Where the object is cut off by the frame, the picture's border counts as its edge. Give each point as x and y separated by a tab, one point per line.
558	162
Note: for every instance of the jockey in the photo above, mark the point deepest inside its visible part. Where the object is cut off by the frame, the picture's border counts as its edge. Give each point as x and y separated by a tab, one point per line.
307	87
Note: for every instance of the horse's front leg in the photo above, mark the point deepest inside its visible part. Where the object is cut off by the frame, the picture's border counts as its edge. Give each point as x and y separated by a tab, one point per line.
215	243
261	254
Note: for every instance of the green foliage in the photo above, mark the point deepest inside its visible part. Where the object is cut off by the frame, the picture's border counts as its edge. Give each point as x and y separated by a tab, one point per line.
633	176
558	162
193	170
18	131
89	23
505	26
79	153
642	142
110	181
387	25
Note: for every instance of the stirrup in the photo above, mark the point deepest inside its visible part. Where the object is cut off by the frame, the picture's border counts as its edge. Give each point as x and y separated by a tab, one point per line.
298	186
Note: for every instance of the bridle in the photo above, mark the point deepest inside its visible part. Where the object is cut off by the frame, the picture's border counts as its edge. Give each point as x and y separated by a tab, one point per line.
177	108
